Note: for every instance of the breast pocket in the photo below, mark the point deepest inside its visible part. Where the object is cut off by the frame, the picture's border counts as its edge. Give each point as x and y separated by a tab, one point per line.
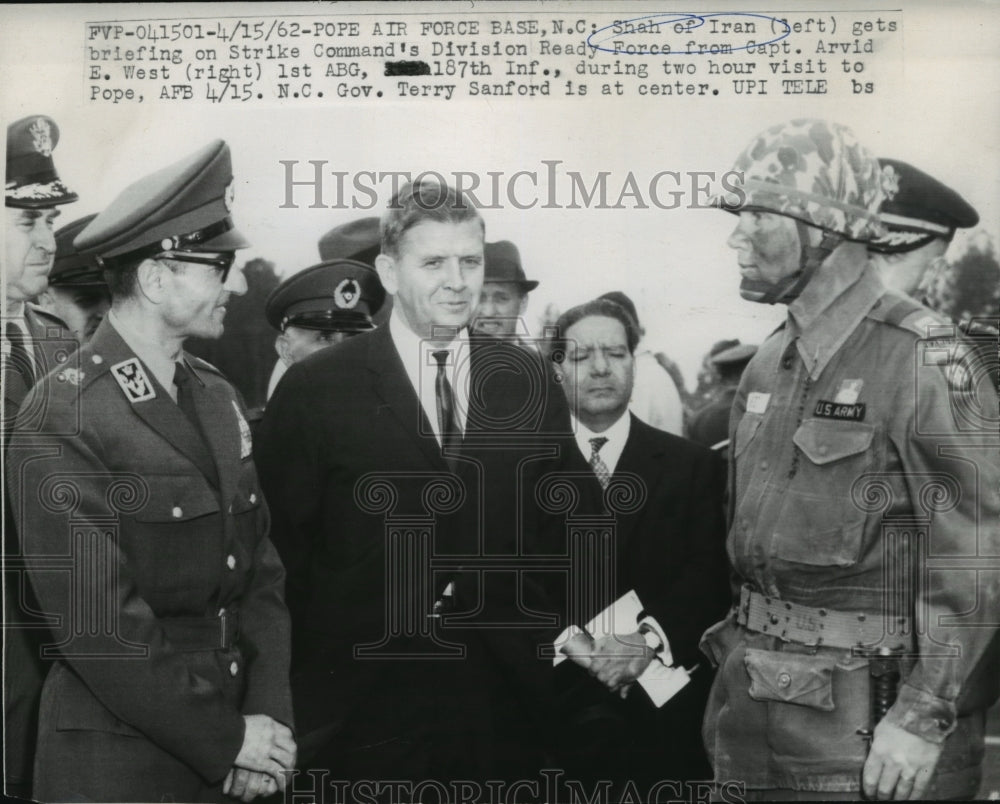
820	524
176	537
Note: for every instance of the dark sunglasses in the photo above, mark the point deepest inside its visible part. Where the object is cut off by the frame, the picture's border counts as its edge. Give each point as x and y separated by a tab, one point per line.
222	263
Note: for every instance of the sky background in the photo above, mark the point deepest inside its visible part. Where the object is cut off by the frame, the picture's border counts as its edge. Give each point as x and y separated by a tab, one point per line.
938	107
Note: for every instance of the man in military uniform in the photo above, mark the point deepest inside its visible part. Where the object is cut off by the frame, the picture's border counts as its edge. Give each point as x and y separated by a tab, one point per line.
845	665
32	340
173	683
920	215
357	241
323	305
504	298
77	292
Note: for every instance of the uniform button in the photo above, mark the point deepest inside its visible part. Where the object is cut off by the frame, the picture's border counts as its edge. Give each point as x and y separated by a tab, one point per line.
823	449
763	464
253	499
97	359
234	669
231	561
784	679
177	512
786	363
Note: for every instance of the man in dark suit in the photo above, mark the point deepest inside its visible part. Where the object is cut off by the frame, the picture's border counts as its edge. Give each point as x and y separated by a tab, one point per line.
32	340
382	452
659	499
137	502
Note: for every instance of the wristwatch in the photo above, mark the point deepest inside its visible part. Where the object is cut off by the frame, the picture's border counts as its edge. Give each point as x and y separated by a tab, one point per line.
652	639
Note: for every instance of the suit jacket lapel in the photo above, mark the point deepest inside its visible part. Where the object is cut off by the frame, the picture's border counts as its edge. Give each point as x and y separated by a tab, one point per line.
394	389
638	458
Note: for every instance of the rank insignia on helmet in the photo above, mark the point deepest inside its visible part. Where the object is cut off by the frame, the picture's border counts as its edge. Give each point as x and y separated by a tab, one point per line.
347	294
131	378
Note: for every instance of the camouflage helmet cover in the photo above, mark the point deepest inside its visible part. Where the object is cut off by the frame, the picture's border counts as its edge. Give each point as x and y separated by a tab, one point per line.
814	171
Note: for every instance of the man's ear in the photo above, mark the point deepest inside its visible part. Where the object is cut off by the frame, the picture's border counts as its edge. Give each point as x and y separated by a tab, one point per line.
283	348
386	267
151	276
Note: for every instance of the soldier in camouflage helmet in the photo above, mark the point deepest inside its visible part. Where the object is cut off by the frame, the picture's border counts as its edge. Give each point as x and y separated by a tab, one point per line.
846	665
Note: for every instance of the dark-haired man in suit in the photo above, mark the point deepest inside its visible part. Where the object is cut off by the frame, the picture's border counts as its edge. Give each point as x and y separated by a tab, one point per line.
667	547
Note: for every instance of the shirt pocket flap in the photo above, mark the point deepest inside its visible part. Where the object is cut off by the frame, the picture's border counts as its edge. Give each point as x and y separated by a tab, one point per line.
177	498
791	678
825	441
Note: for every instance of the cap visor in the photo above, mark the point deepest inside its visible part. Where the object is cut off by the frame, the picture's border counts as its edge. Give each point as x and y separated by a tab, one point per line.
227	241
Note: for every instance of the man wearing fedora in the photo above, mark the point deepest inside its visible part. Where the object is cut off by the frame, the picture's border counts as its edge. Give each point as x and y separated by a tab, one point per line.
504	297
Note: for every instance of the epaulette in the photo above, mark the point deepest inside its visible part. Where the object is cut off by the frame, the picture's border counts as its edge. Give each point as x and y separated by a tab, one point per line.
204	365
82	375
902	312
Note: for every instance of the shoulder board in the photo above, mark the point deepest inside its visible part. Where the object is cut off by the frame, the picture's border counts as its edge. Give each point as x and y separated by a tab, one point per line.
203	365
903	312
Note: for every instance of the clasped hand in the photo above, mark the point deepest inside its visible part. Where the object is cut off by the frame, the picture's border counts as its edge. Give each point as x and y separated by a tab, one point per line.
268	750
615	661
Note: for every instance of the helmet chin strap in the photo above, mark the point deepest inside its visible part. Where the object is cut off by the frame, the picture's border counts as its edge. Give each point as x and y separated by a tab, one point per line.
787	290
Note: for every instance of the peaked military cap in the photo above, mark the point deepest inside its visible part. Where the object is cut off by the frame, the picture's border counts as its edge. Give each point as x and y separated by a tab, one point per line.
70	268
503	264
358	240
183	207
31	180
917	209
335	296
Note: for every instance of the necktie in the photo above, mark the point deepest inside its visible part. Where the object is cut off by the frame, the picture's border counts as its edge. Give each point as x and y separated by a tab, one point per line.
20	361
185	401
597	464
447	422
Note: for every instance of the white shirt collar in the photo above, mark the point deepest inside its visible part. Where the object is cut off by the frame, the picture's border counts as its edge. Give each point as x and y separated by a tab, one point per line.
617	435
421	368
162	366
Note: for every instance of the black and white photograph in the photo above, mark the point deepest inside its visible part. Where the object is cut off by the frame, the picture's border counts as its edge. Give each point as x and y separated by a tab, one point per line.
497	403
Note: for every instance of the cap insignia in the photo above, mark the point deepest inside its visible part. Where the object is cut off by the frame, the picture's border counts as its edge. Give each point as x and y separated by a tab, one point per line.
347	294
41	136
229	195
890	182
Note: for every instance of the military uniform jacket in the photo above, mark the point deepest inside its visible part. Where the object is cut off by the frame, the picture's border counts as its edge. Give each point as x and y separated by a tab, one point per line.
52	346
863	481
121	504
